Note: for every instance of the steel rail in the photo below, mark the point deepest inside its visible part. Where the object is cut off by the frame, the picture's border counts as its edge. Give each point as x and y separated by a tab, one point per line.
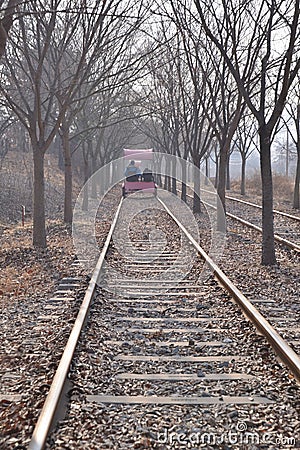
277	238
276	211
281	348
47	414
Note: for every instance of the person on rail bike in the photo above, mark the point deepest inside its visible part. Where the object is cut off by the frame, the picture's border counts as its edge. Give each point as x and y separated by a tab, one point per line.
147	175
132	172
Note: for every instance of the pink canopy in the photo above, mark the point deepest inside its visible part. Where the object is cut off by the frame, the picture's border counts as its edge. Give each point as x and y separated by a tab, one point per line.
143	154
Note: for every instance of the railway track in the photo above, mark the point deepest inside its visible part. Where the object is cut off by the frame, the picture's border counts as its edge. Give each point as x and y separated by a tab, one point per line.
254	205
282	307
287	230
160	360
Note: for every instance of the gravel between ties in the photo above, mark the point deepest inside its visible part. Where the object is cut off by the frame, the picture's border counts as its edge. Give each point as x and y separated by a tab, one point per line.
151	426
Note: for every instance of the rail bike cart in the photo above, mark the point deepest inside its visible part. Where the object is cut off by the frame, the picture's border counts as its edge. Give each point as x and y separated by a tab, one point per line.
140	181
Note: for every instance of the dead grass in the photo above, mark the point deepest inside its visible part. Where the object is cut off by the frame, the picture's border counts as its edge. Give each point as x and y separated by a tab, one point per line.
25	270
282	187
16	187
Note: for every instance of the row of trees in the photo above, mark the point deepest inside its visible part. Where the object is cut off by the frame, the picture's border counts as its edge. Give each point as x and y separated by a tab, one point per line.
198	78
64	68
243	59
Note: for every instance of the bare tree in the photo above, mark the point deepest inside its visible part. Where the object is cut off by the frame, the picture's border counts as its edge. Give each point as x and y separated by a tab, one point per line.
197	131
6	21
263	71
114	67
293	111
220	100
162	100
36	88
244	143
174	96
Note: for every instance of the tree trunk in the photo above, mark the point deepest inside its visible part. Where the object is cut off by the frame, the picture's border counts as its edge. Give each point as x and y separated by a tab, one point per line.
167	181
268	246
158	179
158	170
111	172
39	226
61	162
296	197
228	186
174	186
183	184
23	140
196	197
93	170
85	201
68	174
243	176
217	172
222	175
206	170
6	23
